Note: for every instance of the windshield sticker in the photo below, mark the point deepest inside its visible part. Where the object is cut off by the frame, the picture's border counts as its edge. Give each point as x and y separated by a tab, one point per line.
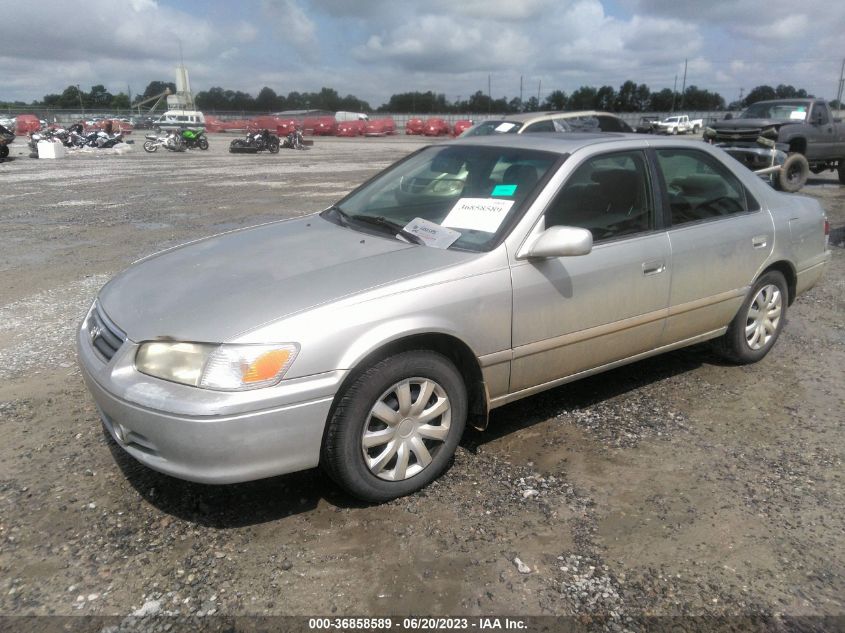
505	127
504	190
798	115
431	233
479	214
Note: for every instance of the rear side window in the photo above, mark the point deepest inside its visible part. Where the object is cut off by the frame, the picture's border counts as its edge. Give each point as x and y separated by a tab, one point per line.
699	186
540	126
609	195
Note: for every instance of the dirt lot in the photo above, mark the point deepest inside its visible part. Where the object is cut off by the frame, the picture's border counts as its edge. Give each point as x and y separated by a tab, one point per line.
678	485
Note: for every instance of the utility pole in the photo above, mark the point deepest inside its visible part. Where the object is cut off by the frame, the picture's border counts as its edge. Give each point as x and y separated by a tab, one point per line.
684	86
520	91
81	105
841	83
489	96
674	92
539	85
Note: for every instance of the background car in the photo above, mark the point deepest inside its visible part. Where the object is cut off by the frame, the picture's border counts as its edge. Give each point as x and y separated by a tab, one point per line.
460	126
351	128
435	126
580	121
414	126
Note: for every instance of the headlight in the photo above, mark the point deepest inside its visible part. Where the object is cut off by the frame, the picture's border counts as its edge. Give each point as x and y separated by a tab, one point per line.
212	366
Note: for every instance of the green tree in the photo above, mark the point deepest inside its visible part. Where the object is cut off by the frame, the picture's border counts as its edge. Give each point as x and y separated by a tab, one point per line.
605	98
582	99
625	98
156	88
555	101
663	101
120	101
760	93
267	100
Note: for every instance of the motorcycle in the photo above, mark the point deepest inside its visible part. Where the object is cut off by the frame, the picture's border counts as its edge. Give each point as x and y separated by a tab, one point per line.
6	137
294	141
173	141
255	142
195	139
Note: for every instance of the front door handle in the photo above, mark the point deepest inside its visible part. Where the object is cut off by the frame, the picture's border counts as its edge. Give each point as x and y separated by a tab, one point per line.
654	267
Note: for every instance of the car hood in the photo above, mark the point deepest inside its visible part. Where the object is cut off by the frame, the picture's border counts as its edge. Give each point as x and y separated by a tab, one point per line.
214	289
746	124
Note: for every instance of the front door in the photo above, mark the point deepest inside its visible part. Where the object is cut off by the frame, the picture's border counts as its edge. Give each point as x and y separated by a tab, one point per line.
571	314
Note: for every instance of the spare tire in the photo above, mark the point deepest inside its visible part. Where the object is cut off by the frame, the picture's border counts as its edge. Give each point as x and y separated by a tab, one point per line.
793	173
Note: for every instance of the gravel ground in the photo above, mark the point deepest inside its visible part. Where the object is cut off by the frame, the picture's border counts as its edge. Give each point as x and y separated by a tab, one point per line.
678	486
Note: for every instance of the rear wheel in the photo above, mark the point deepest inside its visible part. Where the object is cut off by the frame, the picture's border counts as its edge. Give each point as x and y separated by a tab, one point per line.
793	173
759	322
273	147
841	169
4	152
150	146
396	427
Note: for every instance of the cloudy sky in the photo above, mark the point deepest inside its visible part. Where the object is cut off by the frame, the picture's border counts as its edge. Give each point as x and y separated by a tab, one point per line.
375	48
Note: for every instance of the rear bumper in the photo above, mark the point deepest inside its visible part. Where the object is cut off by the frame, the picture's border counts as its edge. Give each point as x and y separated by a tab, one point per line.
809	277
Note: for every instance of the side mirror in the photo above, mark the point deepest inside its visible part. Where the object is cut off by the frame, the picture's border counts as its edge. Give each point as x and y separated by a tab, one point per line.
559	241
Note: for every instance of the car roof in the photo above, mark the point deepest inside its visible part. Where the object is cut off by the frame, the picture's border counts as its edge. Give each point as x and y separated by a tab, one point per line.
531	117
569	142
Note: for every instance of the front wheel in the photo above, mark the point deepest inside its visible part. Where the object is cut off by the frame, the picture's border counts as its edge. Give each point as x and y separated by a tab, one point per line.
273	147
841	169
150	146
4	152
203	144
396	427
759	322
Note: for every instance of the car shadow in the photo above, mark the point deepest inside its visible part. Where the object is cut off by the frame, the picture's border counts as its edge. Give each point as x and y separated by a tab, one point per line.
589	391
231	505
266	500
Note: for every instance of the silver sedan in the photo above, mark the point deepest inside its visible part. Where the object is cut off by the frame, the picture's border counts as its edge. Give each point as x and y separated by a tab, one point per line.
471	274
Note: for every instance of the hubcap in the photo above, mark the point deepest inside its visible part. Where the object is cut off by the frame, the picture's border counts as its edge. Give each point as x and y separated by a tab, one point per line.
763	317
406	427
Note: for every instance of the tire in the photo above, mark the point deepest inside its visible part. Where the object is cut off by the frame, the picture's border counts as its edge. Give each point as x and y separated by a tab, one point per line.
150	146
793	173
674	131
203	144
695	129
4	152
273	147
748	338
404	452
841	170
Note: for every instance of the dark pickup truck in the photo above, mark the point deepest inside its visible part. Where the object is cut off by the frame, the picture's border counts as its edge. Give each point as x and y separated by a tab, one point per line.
787	138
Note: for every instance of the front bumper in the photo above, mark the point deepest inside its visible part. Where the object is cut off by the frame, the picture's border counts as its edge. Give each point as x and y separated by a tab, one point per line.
208	436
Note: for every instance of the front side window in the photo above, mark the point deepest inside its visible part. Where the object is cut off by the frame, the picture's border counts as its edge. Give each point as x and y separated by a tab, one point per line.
609	195
473	190
699	186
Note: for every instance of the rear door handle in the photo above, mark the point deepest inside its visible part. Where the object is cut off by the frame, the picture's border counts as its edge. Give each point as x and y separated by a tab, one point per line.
759	241
654	267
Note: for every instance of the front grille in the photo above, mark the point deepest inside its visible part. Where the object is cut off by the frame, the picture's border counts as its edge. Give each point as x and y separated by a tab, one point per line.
106	337
737	134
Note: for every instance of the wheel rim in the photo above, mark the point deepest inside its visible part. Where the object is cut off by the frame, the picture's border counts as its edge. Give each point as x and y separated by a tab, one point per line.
405	429
793	175
763	317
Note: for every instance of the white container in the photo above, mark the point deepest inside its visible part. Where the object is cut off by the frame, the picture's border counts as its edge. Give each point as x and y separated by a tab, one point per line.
48	149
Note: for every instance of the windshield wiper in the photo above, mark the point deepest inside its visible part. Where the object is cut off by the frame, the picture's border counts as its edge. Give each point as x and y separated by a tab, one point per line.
384	222
342	216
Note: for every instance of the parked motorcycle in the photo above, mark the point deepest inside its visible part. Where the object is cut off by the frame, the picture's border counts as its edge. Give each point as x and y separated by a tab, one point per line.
6	137
294	141
172	141
195	139
255	142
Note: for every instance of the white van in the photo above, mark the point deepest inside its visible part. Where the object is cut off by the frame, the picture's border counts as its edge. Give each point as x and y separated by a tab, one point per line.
350	116
180	119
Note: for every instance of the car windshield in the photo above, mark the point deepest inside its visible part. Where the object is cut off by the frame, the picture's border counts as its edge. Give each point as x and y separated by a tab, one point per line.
462	192
780	111
497	126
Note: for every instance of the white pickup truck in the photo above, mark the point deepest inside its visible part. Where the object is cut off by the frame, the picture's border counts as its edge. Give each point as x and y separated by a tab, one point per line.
678	124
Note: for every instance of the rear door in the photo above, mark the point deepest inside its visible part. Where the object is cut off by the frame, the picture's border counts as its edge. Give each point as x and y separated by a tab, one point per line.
720	238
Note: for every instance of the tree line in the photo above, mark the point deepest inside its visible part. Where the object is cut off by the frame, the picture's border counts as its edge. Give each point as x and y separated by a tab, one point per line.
629	97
